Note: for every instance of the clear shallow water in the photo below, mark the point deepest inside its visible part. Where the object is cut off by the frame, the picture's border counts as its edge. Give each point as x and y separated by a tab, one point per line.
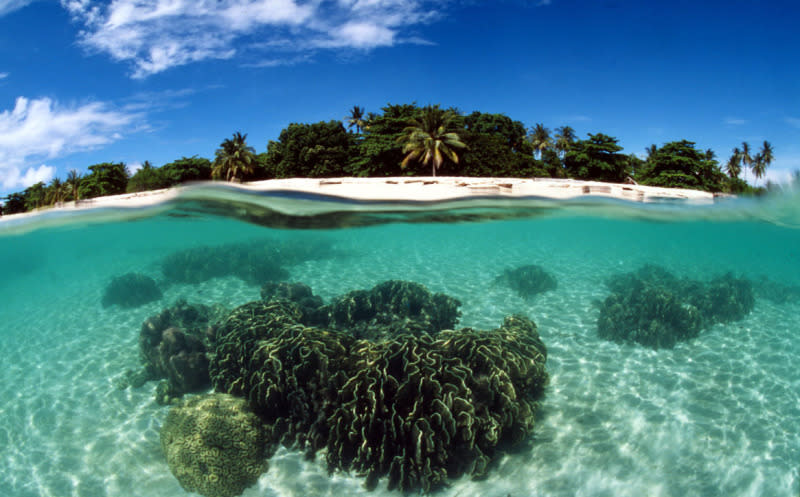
718	415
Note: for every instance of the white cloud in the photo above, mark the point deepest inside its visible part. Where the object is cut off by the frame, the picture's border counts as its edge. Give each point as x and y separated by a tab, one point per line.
3	75
42	129
734	121
155	35
7	6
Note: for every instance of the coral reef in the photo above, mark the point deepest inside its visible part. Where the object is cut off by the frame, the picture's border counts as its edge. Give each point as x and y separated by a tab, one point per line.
528	281
131	290
214	445
652	307
422	409
391	308
173	345
254	262
413	402
774	291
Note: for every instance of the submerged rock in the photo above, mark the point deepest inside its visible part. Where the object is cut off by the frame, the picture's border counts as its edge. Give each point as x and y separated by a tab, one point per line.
215	445
528	281
131	290
654	308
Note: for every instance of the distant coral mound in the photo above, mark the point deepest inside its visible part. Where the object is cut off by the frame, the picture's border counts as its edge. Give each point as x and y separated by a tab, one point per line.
528	281
654	308
414	402
215	445
255	262
131	290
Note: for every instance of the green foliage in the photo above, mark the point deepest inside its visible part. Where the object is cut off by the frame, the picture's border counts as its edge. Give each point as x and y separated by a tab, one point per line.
214	445
14	203
319	150
146	178
186	169
108	178
34	196
378	152
598	159
681	165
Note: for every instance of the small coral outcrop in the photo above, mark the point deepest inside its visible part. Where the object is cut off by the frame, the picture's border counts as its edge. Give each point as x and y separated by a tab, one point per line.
528	281
654	308
215	445
131	290
173	345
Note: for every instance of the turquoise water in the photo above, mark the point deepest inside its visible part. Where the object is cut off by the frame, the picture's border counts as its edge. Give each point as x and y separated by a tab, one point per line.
718	415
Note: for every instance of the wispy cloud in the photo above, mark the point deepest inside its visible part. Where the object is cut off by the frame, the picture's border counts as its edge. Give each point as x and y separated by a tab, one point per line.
3	75
41	129
7	6
735	121
793	121
156	35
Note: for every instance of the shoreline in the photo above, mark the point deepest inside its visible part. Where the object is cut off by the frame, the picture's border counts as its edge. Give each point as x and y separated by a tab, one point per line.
405	188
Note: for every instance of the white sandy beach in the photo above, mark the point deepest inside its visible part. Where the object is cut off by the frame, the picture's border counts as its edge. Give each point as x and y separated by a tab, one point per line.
415	188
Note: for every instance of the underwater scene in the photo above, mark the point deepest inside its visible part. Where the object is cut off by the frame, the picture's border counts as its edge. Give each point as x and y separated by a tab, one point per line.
227	343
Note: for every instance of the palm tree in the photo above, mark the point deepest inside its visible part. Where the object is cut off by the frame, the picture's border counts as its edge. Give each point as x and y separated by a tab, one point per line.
73	184
565	137
747	160
55	192
234	158
734	165
540	138
651	151
356	118
429	140
763	160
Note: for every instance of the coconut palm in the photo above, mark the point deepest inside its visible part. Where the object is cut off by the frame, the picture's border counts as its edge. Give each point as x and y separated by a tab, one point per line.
565	137
356	118
651	151
73	184
429	138
55	192
734	165
539	137
747	159
763	160
234	159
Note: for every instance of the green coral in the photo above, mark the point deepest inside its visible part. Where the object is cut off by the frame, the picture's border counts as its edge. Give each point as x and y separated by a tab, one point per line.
528	281
214	445
654	308
391	308
416	407
131	290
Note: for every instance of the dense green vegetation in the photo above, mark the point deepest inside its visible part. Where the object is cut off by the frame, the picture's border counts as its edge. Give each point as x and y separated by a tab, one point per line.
405	139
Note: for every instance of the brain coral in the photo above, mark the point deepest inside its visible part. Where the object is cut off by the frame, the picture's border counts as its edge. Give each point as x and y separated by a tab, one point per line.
215	445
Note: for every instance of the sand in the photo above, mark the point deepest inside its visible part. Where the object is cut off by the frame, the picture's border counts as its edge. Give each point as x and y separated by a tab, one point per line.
409	188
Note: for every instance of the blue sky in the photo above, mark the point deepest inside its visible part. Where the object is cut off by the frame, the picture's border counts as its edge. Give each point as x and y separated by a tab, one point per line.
86	81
